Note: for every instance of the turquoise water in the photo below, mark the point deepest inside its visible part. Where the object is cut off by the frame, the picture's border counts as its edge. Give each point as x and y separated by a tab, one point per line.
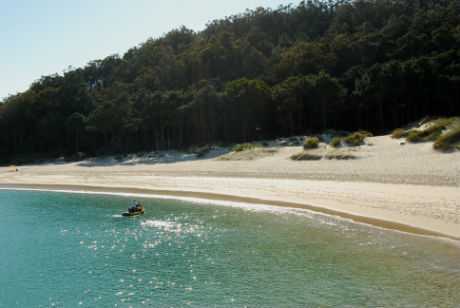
75	250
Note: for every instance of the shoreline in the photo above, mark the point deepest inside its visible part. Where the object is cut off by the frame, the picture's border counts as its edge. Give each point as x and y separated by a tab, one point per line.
407	187
373	221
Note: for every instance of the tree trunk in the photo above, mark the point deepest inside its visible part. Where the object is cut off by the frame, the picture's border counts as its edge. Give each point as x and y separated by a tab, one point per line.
77	142
156	143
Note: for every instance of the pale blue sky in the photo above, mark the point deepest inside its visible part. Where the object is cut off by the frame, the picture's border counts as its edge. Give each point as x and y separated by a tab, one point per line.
42	37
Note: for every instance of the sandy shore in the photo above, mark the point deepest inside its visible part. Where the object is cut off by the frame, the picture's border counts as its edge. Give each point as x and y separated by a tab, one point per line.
408	187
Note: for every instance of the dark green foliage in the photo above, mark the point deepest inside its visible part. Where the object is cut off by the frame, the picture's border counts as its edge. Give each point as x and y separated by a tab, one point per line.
341	65
311	143
432	132
243	147
448	140
336	142
355	139
248	107
412	135
366	133
398	133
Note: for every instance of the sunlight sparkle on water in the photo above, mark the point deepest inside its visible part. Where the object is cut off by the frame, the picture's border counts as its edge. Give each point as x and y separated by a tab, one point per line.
192	254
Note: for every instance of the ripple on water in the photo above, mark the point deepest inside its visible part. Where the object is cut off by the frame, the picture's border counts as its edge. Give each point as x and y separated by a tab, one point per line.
164	225
181	253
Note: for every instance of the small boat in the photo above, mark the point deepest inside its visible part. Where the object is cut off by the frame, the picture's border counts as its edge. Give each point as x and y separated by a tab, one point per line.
141	211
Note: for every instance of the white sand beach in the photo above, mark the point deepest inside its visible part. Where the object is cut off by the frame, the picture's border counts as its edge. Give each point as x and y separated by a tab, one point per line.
390	183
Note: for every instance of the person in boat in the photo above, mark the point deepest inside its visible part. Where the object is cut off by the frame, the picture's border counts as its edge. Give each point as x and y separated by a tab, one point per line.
133	206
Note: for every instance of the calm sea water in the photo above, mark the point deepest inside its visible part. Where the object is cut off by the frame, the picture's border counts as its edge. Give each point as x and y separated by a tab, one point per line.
71	250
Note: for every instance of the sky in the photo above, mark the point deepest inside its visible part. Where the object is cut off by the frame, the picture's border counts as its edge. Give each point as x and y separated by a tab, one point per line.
43	37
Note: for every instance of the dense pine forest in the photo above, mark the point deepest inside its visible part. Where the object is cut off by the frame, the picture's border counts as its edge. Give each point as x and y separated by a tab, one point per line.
299	69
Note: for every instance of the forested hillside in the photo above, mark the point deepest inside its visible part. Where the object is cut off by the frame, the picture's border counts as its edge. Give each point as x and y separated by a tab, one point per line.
366	64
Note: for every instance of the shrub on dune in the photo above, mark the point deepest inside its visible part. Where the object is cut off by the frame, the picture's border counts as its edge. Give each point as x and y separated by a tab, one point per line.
412	136
398	133
366	133
429	134
355	139
243	147
336	142
448	140
311	143
433	131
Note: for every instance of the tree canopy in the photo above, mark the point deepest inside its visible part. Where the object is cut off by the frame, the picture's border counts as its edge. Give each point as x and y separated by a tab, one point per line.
345	65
